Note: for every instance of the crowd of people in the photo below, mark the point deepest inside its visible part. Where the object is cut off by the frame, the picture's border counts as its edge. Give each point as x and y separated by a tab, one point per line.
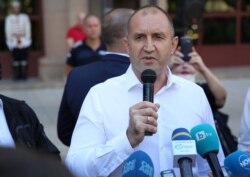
102	117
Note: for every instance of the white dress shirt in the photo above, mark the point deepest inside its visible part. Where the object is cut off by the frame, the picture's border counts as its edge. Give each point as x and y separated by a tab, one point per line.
6	139
17	25
244	136
99	143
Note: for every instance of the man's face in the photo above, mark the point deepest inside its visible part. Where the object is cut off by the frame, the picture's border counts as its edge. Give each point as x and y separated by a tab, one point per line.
16	9
150	42
92	28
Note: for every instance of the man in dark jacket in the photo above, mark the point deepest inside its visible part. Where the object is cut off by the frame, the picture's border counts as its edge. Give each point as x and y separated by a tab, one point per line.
81	79
23	128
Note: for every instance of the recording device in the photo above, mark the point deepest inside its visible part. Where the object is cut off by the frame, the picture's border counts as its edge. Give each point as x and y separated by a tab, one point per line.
186	47
148	78
237	164
207	145
184	151
139	164
168	173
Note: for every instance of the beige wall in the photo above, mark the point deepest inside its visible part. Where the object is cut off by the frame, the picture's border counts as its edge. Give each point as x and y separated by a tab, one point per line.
58	16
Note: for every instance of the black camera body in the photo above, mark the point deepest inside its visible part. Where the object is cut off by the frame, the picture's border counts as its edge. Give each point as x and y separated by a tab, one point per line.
186	45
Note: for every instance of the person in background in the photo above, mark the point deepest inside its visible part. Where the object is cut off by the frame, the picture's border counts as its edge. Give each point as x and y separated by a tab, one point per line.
20	127
89	50
76	33
21	162
113	118
214	90
82	78
18	39
244	135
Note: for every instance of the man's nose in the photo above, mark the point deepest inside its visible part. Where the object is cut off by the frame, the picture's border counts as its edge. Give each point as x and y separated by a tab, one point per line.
149	46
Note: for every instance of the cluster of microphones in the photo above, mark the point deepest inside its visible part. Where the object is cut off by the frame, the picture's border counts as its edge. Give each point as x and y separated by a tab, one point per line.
203	140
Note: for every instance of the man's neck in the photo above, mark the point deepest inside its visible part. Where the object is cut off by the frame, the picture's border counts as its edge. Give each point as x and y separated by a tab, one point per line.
93	43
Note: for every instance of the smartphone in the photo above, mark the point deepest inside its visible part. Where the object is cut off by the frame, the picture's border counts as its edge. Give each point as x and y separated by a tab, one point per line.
186	45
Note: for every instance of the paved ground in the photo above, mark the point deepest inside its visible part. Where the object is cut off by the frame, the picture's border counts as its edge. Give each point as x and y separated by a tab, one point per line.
45	97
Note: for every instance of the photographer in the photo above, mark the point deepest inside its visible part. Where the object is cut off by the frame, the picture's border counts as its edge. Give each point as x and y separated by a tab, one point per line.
188	68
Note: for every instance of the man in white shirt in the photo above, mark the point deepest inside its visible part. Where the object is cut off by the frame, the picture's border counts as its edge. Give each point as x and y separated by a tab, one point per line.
113	118
18	39
244	136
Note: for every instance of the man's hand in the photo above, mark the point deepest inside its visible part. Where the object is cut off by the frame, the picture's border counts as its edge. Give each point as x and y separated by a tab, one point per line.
143	117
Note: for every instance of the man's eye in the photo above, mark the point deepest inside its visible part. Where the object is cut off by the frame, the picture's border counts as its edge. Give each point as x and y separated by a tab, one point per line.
139	37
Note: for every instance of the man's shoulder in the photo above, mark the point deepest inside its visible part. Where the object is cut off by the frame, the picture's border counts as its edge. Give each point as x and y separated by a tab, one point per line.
9	100
186	83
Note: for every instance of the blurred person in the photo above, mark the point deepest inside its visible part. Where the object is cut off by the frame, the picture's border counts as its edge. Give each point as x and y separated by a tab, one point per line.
244	138
215	91
213	88
113	120
20	127
20	162
76	33
18	39
89	50
82	78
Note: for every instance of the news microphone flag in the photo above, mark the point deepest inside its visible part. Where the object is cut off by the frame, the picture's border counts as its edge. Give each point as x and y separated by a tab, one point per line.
183	146
206	139
207	144
139	164
237	164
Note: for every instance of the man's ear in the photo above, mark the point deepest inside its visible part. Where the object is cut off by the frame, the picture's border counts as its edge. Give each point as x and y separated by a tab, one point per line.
175	42
125	41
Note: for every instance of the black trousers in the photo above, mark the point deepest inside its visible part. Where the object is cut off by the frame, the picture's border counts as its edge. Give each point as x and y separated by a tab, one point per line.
20	63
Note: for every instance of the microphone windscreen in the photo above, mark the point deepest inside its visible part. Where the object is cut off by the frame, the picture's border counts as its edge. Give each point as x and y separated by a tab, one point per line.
181	134
237	164
183	146
139	164
206	139
148	76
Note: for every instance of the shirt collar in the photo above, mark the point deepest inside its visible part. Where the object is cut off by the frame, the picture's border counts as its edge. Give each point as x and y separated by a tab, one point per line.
132	81
116	53
1	103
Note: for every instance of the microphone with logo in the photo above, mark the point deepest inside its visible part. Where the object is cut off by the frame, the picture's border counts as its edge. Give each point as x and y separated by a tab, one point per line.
237	164
207	145
148	78
139	164
184	151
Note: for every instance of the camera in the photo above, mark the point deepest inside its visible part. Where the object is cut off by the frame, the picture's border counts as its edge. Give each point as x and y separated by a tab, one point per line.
186	44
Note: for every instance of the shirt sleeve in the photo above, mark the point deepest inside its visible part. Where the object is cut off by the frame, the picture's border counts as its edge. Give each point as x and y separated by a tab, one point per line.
244	135
11	43
26	40
91	153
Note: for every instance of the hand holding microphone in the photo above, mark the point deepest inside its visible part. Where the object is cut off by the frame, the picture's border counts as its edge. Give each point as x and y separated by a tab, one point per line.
143	115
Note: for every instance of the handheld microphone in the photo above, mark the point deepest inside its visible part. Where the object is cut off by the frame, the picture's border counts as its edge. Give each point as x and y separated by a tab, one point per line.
148	78
237	164
207	145
184	151
139	164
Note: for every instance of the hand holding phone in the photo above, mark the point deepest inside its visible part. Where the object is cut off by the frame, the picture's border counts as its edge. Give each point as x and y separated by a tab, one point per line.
186	45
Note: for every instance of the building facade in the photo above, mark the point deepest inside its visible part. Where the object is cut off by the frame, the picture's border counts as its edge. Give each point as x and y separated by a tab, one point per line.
222	36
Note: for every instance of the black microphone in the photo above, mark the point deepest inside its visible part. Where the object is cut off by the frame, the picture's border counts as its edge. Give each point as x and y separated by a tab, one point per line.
148	78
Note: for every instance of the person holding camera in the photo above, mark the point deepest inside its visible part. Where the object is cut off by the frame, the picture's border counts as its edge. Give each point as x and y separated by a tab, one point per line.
187	65
215	91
